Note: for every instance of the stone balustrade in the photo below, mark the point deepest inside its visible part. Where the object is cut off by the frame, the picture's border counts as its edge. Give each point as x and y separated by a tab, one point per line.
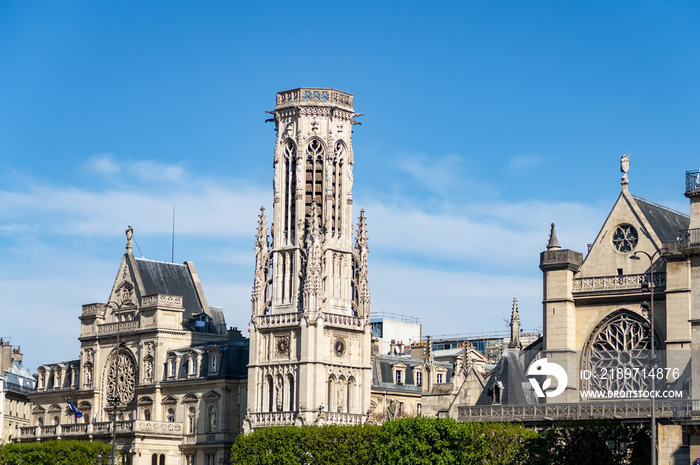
609	283
279	320
312	96
272	419
343	321
94	309
123	326
162	300
338	418
103	428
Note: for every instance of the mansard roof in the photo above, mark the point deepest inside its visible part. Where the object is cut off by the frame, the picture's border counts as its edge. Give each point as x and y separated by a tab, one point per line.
170	279
382	364
665	222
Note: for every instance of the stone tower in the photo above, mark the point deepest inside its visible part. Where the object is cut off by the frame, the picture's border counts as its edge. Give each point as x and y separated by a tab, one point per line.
309	331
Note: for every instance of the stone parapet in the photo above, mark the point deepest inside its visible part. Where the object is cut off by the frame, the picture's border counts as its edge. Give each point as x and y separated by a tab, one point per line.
609	283
560	259
314	97
162	300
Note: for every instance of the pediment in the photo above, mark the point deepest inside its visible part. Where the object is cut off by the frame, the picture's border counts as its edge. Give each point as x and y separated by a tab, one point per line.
127	289
169	400
145	400
399	365
190	398
211	395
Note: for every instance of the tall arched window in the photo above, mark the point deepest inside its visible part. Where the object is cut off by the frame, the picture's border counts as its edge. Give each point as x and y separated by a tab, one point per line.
332	395
290	382
171	415
337	188
314	178
350	404
290	182
270	393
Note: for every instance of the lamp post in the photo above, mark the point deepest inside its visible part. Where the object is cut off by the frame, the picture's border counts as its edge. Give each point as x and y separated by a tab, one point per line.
651	257
116	306
617	446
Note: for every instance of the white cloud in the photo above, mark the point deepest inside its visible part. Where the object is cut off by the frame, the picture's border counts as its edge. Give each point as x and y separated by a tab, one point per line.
524	162
103	164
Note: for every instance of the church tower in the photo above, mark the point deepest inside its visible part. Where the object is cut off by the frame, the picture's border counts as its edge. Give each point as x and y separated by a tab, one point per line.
309	331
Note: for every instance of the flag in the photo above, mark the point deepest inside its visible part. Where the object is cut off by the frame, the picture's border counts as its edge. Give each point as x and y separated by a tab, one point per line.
74	409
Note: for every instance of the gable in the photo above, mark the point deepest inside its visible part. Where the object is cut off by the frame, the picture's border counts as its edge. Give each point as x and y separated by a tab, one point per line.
605	259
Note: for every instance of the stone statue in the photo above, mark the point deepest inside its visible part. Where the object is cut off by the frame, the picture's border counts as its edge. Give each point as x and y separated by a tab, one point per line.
625	163
624	166
88	375
129	235
148	369
278	394
340	396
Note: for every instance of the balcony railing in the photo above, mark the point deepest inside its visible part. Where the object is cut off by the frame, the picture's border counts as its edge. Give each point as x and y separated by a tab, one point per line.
313	96
689	239
608	283
535	413
102	428
692	182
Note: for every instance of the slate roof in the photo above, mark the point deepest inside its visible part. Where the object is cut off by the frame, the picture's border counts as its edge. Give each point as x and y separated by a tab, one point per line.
511	374
232	364
665	222
170	279
384	363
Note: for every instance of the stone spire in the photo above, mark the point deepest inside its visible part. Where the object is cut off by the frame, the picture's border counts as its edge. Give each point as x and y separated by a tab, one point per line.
553	241
361	274
514	326
261	265
624	167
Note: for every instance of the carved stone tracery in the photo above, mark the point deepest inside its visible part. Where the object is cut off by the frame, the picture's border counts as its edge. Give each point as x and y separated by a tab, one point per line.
620	342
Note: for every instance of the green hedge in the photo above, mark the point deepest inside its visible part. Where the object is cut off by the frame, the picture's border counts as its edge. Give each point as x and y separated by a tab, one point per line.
54	452
441	441
405	441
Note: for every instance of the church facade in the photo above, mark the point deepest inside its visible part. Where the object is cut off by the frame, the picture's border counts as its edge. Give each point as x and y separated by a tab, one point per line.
309	330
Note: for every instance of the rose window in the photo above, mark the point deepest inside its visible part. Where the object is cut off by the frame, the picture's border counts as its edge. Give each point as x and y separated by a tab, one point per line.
122	379
617	354
625	238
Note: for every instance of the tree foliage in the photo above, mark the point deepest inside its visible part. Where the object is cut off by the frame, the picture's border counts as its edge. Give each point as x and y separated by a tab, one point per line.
53	453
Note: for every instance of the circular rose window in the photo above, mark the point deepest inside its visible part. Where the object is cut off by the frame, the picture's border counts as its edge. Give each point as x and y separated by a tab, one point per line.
625	238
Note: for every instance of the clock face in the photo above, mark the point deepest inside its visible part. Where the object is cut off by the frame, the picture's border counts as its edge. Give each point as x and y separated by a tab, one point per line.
282	346
339	347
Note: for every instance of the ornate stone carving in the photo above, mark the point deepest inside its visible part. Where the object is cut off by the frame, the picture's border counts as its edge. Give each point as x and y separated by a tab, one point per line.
120	382
621	340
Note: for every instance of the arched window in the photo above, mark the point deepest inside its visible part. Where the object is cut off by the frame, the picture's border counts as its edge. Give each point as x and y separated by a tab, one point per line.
171	415
162	459
314	178
191	421
351	396
619	334
270	394
211	419
147	414
154	459
56	420
40	421
290	382
332	397
290	182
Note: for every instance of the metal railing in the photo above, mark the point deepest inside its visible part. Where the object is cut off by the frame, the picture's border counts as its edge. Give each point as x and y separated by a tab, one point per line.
692	182
537	413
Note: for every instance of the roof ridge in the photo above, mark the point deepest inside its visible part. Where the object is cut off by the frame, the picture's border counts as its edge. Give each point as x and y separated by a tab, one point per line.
635	197
158	261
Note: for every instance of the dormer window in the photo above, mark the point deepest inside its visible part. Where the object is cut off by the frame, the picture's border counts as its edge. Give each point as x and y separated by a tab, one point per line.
419	378
399	376
172	367
399	369
214	365
440	378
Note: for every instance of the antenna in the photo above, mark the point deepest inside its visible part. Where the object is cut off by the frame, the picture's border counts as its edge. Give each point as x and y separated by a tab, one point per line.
172	252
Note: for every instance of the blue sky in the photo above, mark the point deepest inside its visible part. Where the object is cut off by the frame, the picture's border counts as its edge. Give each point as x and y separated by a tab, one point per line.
484	122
